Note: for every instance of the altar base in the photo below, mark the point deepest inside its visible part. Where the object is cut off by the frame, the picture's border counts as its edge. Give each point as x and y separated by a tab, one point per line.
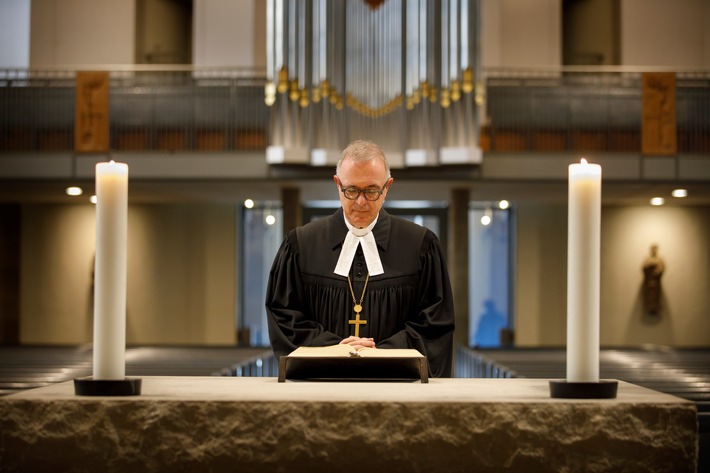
199	424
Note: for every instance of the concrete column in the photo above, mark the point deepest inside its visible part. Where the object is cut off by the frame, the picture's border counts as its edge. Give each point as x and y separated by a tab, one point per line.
292	209
458	261
10	215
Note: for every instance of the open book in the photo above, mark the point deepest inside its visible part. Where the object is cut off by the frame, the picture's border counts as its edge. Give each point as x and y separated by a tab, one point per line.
344	363
348	351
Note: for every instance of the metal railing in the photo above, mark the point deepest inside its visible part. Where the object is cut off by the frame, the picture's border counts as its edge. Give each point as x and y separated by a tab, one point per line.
259	366
472	364
173	109
586	109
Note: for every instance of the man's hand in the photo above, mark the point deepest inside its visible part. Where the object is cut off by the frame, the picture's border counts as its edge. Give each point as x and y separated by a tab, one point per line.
357	342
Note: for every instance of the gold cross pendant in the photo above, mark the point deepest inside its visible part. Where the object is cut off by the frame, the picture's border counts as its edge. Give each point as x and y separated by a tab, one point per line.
357	322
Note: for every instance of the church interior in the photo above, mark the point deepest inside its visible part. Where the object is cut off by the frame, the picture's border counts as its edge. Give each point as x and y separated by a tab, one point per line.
231	117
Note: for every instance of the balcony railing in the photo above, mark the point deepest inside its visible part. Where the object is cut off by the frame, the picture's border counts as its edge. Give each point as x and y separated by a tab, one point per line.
183	109
586	110
150	110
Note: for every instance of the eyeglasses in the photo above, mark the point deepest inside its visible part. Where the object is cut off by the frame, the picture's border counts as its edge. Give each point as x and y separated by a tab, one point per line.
371	194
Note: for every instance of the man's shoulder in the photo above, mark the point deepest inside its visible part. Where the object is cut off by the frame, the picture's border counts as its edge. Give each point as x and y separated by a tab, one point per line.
315	227
412	235
317	233
403	225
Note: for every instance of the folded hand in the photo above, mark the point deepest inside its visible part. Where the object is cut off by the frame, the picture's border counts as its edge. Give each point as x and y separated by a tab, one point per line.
358	342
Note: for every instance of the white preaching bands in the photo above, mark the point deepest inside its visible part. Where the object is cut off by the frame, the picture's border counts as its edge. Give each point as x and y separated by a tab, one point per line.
364	238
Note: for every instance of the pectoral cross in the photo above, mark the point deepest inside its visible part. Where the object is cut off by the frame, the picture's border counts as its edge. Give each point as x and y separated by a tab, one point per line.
358	306
357	322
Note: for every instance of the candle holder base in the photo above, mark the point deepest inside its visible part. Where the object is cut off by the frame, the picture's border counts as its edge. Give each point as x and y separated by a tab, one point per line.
603	389
107	387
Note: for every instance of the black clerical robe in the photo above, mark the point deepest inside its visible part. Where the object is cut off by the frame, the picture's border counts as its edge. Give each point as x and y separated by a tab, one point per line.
409	306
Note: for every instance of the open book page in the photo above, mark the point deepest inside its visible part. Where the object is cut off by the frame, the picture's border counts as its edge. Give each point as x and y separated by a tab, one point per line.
348	351
342	362
390	352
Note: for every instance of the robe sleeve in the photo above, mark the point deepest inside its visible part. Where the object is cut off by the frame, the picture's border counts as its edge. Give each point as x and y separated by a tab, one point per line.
289	326
430	330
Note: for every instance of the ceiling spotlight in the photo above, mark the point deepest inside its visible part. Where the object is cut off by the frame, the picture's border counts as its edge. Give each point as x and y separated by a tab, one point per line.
503	204
249	204
485	220
93	199
680	193
658	201
74	191
270	219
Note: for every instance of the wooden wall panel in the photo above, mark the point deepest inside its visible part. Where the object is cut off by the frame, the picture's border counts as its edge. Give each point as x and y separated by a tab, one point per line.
91	122
658	125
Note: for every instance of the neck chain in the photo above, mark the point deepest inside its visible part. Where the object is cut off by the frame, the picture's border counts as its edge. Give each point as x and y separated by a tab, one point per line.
358	306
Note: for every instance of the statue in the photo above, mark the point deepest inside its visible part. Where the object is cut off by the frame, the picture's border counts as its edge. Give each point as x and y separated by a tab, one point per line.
653	267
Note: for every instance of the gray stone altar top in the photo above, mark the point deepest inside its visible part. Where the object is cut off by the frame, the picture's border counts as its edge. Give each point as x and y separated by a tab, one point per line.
212	424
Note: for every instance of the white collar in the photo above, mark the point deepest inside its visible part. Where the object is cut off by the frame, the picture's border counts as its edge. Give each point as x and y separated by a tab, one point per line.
364	238
360	232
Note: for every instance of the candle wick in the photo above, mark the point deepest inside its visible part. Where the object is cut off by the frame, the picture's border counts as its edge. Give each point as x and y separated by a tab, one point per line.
112	162
584	161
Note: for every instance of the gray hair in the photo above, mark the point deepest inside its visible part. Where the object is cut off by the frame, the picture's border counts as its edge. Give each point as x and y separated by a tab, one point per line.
362	150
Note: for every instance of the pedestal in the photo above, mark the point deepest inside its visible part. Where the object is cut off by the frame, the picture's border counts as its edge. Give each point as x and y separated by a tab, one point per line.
602	389
107	387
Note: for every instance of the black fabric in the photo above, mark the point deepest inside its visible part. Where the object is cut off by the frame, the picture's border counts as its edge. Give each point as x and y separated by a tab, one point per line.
409	306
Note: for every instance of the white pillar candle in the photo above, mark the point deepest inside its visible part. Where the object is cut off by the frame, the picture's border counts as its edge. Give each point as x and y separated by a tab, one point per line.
583	276
110	271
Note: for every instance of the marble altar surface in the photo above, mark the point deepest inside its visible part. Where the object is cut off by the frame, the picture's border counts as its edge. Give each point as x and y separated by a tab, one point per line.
206	424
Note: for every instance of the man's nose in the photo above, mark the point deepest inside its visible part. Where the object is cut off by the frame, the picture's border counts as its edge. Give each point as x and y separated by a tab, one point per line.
361	200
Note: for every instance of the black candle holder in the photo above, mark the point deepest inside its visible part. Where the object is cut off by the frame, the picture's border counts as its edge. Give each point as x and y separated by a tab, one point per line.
107	387
602	389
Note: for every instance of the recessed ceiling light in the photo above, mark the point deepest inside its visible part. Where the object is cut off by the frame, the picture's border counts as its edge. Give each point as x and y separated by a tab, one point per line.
93	199
679	193
249	204
74	191
503	204
658	201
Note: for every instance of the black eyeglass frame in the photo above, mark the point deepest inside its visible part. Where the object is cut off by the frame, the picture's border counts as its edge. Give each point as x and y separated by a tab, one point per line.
364	192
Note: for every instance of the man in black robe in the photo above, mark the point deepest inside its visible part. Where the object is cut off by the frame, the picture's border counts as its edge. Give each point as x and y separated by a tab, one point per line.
362	259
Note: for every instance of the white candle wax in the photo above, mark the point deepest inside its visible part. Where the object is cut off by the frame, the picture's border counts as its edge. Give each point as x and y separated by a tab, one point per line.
110	271
583	261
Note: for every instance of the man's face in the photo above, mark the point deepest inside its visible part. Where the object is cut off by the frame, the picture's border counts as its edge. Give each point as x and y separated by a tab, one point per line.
362	175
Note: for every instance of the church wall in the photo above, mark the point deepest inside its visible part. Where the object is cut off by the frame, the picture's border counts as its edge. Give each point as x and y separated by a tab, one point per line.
515	33
520	33
181	274
590	32
229	33
491	55
541	275
56	259
82	32
163	32
668	33
182	265
665	33
682	234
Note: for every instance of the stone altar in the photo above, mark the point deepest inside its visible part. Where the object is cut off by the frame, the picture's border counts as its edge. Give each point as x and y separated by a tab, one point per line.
214	424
